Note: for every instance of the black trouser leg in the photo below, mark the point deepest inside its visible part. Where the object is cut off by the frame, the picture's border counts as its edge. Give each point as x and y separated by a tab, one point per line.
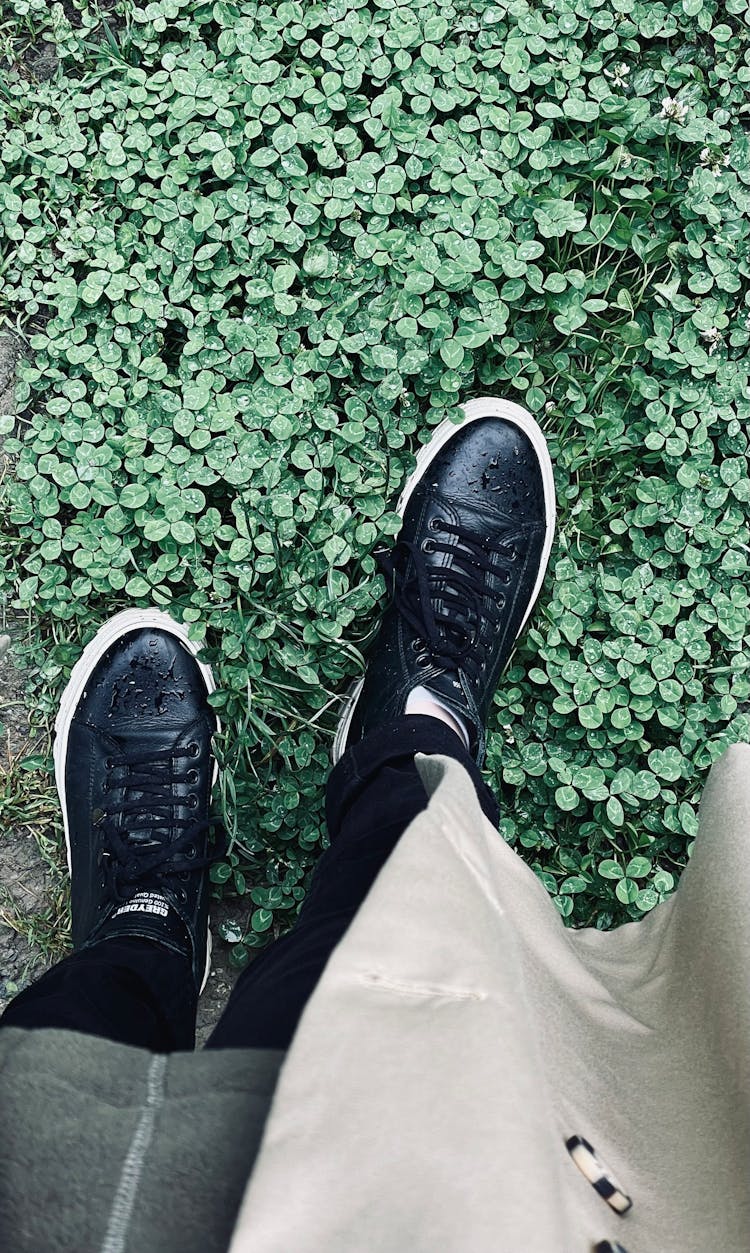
129	990
136	992
373	794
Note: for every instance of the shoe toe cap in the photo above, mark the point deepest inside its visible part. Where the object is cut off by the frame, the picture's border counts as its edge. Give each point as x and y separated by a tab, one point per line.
488	464
146	677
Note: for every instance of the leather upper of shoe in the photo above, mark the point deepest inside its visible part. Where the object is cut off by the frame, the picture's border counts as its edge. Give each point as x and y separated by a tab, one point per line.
461	577
138	776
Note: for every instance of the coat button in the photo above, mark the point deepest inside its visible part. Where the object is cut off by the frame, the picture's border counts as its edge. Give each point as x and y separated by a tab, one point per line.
598	1175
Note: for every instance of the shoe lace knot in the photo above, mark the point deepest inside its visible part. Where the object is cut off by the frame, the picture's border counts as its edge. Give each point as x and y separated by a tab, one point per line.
449	607
145	843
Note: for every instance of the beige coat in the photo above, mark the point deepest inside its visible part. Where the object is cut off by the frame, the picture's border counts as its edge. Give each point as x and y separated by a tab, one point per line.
461	1034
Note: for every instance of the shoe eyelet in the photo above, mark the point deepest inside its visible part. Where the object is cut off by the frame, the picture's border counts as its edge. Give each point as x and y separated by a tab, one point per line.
501	601
435	524
193	749
423	660
192	776
416	645
428	546
192	801
182	894
191	851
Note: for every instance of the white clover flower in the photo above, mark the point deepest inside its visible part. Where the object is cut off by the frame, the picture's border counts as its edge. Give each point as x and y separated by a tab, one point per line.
618	74
674	109
714	163
714	336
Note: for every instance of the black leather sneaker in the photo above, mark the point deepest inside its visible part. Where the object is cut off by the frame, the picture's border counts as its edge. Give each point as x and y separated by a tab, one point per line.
134	772
465	573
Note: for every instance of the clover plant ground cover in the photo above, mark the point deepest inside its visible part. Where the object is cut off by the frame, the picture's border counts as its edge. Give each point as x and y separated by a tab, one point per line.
256	253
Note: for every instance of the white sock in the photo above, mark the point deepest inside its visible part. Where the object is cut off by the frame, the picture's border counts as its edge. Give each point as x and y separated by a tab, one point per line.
421	701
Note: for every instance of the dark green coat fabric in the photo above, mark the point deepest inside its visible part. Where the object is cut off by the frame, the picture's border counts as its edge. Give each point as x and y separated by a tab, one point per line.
110	1148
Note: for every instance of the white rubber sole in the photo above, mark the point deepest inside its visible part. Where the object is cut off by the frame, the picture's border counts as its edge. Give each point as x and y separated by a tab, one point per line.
474	410
113	630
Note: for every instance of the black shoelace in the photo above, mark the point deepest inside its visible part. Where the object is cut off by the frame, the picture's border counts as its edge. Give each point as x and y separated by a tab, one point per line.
126	864
453	640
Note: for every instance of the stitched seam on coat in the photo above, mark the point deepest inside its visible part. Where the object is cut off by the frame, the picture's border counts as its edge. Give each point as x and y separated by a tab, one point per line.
130	1177
424	989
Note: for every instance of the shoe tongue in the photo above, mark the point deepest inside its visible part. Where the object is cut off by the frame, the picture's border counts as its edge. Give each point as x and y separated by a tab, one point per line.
148	914
144	837
479	523
141	826
146	902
